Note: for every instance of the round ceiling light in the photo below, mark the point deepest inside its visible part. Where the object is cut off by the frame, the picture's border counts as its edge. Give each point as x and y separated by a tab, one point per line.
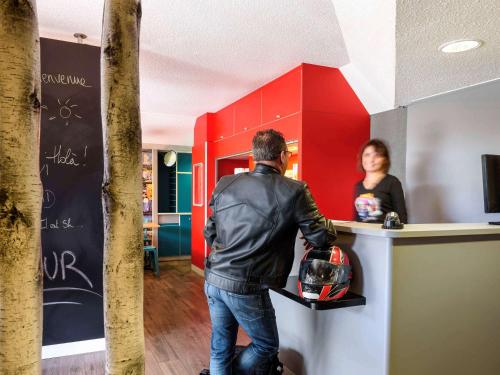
460	45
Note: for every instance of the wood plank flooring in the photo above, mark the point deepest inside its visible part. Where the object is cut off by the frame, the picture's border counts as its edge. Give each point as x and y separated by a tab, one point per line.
176	328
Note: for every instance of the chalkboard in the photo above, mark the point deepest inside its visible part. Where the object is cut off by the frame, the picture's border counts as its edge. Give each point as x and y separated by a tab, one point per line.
71	170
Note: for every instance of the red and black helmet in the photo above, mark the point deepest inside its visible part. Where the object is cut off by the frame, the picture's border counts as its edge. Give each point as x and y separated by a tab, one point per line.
324	274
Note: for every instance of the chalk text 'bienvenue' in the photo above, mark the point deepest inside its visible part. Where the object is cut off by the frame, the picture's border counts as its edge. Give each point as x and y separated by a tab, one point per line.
64	79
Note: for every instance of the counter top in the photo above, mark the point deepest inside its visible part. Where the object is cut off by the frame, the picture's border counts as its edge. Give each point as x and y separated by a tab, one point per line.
418	230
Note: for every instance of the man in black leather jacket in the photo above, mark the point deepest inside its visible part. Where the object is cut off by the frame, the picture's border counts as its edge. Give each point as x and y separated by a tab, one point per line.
251	233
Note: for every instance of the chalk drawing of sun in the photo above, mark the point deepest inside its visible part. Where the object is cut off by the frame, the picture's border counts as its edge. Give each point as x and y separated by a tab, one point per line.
66	111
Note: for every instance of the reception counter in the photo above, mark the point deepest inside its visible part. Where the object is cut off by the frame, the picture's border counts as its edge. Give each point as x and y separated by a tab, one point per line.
432	305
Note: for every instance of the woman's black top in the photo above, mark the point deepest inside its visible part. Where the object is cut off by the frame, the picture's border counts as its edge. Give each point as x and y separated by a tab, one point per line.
373	204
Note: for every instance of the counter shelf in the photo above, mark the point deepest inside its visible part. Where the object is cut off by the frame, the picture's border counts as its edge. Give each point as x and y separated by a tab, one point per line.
291	291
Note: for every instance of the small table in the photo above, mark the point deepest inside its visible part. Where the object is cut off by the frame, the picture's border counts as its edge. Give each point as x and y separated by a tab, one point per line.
291	290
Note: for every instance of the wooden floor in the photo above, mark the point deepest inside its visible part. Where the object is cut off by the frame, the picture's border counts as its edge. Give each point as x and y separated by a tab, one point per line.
176	327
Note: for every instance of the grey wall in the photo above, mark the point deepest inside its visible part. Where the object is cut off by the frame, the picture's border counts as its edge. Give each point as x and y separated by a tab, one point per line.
351	341
446	136
390	127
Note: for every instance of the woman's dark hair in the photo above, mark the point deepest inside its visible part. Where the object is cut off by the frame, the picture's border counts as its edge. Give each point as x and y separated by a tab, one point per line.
268	145
381	149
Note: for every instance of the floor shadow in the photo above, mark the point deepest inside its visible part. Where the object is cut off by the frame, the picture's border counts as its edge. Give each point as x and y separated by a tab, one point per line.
293	361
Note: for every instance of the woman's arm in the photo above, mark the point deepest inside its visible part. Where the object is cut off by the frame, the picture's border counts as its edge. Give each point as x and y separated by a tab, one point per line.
355	194
398	200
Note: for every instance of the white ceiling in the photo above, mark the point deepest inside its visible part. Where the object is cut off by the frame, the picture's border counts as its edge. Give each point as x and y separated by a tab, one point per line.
422	70
199	55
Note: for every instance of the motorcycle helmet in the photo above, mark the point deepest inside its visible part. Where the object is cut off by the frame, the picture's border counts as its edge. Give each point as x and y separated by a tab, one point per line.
392	221
324	274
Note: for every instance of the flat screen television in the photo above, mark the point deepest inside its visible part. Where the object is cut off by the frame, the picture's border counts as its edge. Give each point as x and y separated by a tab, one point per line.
491	182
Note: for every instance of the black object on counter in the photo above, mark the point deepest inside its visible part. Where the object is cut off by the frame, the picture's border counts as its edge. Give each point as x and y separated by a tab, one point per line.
491	182
291	291
392	221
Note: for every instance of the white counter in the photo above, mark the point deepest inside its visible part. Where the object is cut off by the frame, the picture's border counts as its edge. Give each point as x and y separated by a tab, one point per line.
418	230
431	305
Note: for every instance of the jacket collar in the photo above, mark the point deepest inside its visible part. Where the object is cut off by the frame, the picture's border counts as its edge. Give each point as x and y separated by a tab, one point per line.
265	169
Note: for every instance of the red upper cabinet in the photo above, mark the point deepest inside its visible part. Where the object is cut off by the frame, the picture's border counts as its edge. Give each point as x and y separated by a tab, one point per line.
313	105
247	112
326	90
282	97
223	123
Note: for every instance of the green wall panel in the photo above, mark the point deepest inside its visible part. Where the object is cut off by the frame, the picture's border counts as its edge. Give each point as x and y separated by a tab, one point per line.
185	235
184	192
168	240
175	239
184	162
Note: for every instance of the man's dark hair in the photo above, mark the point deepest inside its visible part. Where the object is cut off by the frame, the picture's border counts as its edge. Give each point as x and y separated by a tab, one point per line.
267	145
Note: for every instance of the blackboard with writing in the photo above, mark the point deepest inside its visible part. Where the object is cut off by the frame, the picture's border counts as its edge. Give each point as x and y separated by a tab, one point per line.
71	170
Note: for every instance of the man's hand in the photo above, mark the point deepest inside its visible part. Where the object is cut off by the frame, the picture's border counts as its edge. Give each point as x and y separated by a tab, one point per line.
306	244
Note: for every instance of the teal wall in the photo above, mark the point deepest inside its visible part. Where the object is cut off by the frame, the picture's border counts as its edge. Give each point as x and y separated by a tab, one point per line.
184	192
175	239
184	162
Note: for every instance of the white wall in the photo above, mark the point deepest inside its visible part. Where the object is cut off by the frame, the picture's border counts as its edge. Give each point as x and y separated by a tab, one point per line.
390	127
446	136
371	70
346	341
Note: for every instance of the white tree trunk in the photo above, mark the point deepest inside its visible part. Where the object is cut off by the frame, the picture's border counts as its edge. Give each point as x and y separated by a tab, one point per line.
122	188
20	190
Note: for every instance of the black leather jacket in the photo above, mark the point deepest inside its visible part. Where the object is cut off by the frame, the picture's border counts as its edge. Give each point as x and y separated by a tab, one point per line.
252	230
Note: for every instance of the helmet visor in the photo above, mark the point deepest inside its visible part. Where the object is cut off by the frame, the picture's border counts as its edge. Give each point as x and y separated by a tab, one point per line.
321	272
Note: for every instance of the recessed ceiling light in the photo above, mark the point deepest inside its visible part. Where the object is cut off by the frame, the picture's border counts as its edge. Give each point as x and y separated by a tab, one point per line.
460	45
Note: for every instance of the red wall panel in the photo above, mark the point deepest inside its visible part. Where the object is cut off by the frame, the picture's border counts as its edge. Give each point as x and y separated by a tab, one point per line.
211	170
242	142
198	213
282	97
313	105
200	129
326	90
329	148
223	124
226	167
247	112
197	239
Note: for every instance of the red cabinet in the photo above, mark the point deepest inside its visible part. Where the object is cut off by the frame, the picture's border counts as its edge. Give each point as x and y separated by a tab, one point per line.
282	97
313	105
223	123
247	112
289	126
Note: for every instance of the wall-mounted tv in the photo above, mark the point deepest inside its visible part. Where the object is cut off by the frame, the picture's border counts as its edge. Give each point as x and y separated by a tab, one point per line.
491	182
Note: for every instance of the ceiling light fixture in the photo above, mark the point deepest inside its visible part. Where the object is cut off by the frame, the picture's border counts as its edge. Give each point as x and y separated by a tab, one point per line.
80	37
460	45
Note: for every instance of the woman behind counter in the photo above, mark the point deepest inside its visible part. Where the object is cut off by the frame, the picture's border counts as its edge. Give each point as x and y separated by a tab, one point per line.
379	192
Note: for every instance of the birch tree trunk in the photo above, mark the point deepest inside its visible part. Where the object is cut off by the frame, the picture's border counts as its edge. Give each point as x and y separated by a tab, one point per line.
20	190
122	188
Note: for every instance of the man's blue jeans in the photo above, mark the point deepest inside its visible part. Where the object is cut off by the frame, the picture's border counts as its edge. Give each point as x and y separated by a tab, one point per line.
255	314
